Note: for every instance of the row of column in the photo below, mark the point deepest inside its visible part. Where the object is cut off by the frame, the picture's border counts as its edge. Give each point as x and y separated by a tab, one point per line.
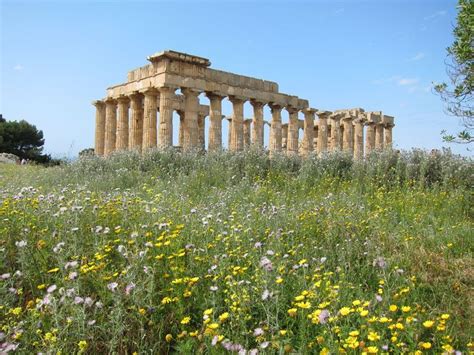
130	122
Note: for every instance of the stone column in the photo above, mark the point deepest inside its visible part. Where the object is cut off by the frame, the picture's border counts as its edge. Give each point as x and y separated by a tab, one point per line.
166	117
191	104
229	132
122	123
99	127
247	134
257	127
284	136
215	124
149	122
323	131
315	139
347	139
292	140
110	125
201	133
275	129
237	138
370	133
335	131
359	137
308	131
379	136
388	135
136	122
181	129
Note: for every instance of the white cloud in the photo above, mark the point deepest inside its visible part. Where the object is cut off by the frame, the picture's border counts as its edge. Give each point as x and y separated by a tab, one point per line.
18	67
418	56
407	81
434	15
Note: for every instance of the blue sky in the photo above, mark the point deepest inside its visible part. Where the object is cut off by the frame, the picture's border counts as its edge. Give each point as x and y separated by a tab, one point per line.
58	56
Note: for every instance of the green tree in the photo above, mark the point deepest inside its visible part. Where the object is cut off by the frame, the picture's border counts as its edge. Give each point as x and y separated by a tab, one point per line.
458	94
22	139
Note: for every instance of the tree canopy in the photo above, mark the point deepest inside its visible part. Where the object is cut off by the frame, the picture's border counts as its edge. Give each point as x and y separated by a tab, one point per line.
458	93
22	139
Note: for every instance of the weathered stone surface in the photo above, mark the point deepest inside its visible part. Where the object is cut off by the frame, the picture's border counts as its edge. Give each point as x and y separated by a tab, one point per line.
110	126
99	127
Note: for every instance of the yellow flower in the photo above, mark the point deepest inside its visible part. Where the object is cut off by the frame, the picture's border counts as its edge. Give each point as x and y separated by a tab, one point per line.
304	305
426	345
373	336
168	338
56	269
428	324
279	280
224	316
393	308
208	312
356	303
445	316
283	332
213	326
354	333
372	350
82	345
185	320
40	287
142	311
345	311
406	309
364	313
16	311
292	312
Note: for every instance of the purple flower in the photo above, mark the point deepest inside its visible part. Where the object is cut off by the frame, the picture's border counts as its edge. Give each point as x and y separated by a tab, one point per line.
112	286
323	316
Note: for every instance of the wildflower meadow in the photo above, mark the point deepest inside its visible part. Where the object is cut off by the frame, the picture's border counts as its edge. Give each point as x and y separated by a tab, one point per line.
238	253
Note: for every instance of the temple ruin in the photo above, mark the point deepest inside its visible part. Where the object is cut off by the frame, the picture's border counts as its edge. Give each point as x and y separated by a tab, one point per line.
138	114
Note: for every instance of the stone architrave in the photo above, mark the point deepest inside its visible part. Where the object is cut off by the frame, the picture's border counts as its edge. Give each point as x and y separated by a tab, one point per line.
308	131
275	129
202	134
136	122
323	131
292	136
247	133
122	123
335	131
110	125
191	103
167	95
149	121
237	126
257	124
99	127
181	128
215	124
284	136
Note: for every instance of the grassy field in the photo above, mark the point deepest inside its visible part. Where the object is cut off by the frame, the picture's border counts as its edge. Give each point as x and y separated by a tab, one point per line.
213	253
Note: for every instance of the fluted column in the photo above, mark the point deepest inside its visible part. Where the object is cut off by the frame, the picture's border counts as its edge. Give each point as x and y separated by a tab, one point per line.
323	131
191	103
275	129
237	138
257	124
122	123
181	128
284	136
308	131
166	117
215	124
388	135
335	132
359	137
110	125
201	131
379	136
247	133
347	139
136	122
315	138
99	127
292	140
229	132
149	122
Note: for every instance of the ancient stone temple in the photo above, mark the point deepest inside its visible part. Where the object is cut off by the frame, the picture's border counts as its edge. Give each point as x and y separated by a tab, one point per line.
138	114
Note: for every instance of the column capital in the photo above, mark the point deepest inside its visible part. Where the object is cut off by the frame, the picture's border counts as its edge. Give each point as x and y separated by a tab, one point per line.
275	107
123	99
389	125
98	103
292	109
323	114
151	91
211	95
257	103
135	95
235	99
110	101
309	110
190	92
168	89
